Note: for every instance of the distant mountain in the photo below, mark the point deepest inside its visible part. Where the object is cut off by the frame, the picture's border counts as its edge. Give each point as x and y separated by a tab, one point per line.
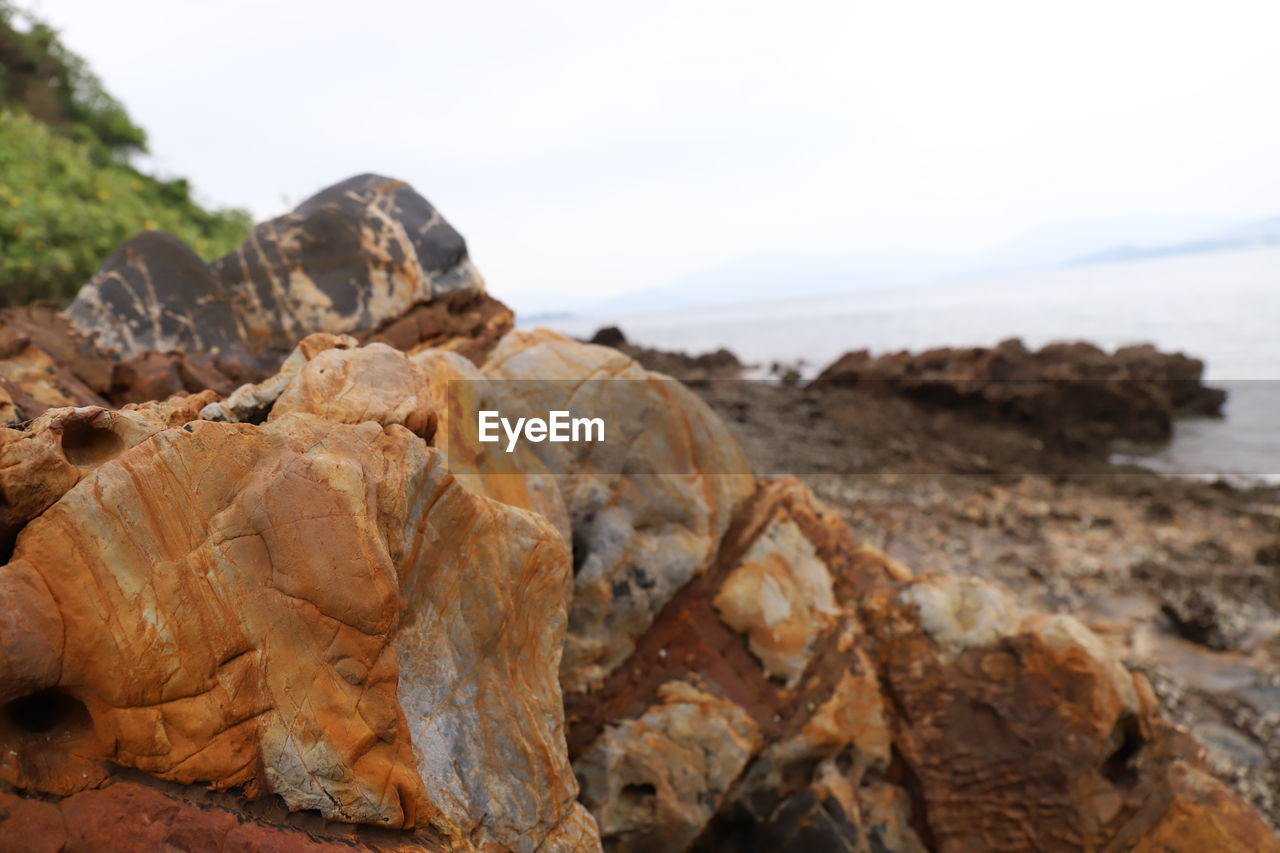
1249	236
778	276
1063	243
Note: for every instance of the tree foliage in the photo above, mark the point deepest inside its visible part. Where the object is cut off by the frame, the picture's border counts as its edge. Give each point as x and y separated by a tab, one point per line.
68	194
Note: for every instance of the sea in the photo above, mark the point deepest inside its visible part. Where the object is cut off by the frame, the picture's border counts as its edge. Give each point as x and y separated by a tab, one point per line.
1222	307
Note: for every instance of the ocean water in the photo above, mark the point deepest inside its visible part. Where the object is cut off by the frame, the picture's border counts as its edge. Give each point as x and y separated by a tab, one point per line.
1221	307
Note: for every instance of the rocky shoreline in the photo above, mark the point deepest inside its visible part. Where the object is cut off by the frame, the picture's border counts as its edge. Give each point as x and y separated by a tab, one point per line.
264	589
1180	574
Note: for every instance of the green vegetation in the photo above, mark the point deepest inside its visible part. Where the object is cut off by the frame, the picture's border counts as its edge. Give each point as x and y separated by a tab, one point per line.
68	194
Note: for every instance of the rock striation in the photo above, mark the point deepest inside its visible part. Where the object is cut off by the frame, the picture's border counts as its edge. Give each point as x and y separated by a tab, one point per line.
1073	395
310	610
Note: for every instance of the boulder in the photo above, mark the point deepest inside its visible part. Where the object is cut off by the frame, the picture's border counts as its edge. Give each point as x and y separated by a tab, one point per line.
155	293
648	505
352	258
929	713
306	608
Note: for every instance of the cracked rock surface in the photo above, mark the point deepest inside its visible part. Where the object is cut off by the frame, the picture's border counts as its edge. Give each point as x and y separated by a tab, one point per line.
309	610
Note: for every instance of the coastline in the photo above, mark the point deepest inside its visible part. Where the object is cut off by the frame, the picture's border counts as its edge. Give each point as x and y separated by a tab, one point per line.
1178	573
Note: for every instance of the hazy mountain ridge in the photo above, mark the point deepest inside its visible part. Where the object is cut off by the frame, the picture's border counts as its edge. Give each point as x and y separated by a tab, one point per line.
1254	235
774	276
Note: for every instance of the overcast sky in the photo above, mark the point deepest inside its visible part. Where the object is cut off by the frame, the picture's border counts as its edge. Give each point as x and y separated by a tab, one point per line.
586	148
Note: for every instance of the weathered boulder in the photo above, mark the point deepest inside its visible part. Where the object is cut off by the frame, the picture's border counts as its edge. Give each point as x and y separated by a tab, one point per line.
306	608
354	257
155	293
648	505
40	463
929	713
1074	395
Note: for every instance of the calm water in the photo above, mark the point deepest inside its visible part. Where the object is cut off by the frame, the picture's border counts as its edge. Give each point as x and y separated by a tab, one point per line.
1223	308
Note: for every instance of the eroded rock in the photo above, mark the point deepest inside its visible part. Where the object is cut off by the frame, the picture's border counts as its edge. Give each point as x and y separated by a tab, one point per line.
1073	395
234	602
648	505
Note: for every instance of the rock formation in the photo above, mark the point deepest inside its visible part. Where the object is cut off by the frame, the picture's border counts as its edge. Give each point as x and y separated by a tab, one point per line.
315	612
1072	394
352	257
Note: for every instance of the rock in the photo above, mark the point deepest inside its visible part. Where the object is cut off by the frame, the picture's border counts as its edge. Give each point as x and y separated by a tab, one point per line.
352	386
231	599
931	713
1074	395
648	506
315	612
130	818
608	336
718	364
654	782
467	322
155	293
38	366
351	258
40	463
1205	619
780	595
458	390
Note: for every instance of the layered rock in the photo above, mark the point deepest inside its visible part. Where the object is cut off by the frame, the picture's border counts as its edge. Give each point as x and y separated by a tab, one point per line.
931	713
1072	394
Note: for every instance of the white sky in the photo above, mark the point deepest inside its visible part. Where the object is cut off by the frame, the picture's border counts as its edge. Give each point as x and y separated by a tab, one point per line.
587	147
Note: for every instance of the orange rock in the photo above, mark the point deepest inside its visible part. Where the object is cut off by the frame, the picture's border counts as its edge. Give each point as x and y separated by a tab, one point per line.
370	384
648	505
231	600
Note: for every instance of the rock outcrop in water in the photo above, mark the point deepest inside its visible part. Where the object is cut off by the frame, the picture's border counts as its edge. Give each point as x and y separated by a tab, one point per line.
316	613
1074	395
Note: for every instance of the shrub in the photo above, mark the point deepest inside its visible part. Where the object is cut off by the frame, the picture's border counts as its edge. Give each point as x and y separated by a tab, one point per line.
68	195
